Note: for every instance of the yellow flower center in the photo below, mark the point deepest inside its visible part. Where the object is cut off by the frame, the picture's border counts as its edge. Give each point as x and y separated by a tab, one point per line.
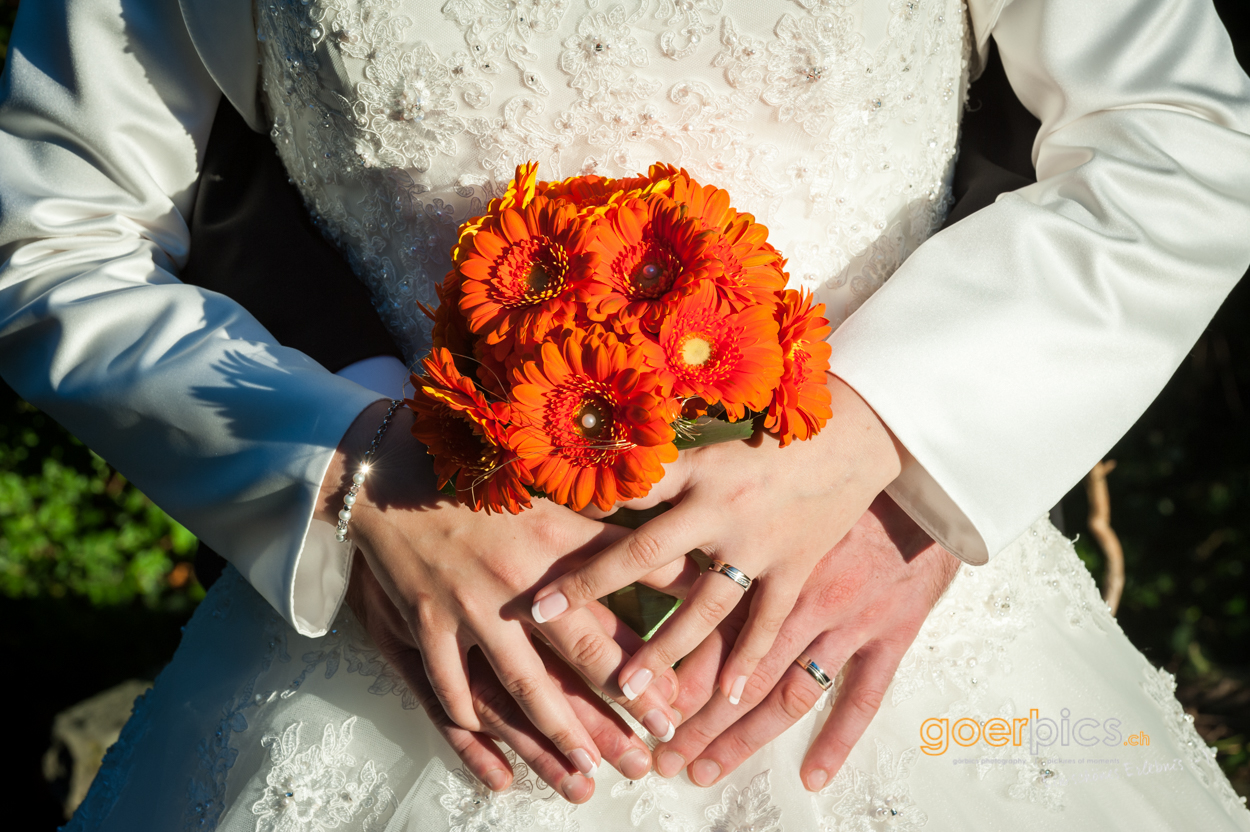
696	350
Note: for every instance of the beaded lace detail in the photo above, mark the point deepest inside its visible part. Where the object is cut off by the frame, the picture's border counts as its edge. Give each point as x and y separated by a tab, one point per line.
834	121
1160	686
874	800
348	646
968	635
527	804
319	787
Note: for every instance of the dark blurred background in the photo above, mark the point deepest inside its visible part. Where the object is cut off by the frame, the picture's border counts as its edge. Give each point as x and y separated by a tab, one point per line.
95	580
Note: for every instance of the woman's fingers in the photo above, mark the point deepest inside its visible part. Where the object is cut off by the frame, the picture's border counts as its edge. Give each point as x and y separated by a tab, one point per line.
446	668
864	682
649	547
675	578
593	653
710	599
523	675
387	629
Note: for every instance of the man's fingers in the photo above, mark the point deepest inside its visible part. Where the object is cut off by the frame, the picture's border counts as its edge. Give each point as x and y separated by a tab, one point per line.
447	671
386	626
631	643
522	673
864	682
502	715
790	699
593	653
769	610
480	755
716	717
700	670
620	746
652	545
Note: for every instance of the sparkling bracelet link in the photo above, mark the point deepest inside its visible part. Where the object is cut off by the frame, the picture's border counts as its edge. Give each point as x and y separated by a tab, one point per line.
358	478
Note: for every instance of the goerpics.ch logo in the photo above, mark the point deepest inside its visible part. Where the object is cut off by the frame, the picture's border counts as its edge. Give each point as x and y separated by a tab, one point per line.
1037	732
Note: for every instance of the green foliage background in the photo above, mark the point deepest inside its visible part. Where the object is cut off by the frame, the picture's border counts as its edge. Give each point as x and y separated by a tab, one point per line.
71	525
95	579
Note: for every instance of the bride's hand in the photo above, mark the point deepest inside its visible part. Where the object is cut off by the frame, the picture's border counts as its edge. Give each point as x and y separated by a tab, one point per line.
460	579
770	512
502	719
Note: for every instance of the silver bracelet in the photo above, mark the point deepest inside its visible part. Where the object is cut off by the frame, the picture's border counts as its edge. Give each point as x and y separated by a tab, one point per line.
358	478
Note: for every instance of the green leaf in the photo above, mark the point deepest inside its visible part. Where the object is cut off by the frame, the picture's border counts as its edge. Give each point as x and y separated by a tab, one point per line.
709	430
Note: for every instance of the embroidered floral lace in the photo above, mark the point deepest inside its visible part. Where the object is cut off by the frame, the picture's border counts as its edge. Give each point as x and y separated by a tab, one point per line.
833	121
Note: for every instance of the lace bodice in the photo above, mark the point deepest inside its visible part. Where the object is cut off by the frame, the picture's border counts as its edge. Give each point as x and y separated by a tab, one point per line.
834	121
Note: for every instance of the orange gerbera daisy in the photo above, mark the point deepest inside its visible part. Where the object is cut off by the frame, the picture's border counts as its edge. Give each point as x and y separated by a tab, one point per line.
520	193
518	272
650	255
752	270
450	331
589	425
593	195
800	406
466	436
719	356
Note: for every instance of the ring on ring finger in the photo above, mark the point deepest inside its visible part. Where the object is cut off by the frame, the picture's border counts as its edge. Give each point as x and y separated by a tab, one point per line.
733	573
809	664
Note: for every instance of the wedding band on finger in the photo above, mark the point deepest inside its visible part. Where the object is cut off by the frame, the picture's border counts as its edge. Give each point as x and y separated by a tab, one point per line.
809	664
733	573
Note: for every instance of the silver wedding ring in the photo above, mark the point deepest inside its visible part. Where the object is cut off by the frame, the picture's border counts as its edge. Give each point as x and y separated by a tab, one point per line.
733	573
807	663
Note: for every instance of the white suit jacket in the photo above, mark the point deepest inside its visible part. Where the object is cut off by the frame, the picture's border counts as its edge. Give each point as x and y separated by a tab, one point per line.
1007	354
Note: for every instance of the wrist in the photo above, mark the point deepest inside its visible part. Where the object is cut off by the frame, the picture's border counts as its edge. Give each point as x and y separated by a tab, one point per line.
397	455
879	453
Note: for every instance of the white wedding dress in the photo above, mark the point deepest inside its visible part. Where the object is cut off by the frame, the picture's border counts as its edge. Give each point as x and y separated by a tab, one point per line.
835	122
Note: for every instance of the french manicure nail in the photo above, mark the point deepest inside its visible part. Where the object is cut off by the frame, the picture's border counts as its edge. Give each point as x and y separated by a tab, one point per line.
636	684
635	764
735	693
669	763
586	764
704	772
816	779
549	607
495	779
657	723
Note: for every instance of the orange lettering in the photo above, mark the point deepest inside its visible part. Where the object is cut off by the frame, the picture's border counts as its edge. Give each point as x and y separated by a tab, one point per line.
997	731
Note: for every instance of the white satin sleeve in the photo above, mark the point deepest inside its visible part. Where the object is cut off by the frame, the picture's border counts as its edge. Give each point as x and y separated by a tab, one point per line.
1013	349
104	112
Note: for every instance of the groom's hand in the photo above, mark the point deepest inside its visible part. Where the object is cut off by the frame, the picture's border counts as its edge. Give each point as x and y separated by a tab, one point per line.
859	612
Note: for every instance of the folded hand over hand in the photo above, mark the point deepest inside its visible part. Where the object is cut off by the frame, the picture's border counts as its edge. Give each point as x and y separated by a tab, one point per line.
771	512
858	613
451	587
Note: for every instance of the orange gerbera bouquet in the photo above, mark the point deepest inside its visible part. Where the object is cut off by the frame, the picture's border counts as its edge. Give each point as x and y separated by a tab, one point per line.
591	328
